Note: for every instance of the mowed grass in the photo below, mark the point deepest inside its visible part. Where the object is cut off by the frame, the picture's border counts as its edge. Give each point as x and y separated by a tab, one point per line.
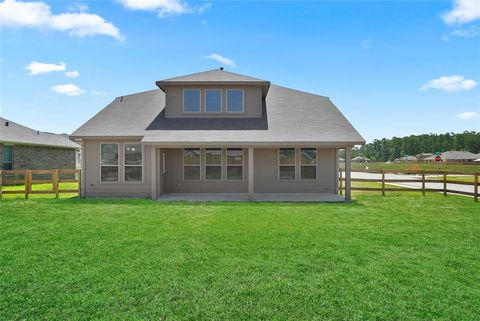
399	257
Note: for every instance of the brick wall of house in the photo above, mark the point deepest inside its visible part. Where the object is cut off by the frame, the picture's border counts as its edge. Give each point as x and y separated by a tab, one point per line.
40	157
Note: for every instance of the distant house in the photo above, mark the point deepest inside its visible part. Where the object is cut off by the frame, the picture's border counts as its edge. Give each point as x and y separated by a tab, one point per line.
216	132
360	159
422	156
25	148
454	157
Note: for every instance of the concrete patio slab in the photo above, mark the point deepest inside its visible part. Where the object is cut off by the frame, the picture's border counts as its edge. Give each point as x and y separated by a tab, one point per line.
258	197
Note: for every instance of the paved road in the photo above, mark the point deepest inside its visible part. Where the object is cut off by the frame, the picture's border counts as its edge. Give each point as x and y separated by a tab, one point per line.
455	187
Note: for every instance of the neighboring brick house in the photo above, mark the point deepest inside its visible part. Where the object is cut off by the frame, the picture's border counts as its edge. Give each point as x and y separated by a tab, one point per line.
24	148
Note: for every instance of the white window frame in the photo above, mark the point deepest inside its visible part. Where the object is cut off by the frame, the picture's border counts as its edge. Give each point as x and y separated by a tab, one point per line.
125	165
205	100
294	165
308	165
199	101
243	101
207	165
119	175
242	165
199	165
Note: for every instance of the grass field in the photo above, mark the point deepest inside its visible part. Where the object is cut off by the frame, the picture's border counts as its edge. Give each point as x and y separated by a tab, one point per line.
417	166
401	257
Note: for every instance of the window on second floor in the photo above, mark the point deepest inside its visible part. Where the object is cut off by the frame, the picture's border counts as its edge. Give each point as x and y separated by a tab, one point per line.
213	100
235	100
191	100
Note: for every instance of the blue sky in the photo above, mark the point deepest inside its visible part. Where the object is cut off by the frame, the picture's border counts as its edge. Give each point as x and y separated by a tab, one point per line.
394	68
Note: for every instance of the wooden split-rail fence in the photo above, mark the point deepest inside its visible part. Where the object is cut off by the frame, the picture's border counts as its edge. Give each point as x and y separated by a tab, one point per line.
26	178
419	178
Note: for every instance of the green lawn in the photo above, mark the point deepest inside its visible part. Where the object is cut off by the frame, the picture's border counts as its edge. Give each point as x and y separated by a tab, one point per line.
40	187
400	257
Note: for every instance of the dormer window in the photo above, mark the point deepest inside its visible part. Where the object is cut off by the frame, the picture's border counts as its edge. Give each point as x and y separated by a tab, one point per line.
191	100
213	100
235	100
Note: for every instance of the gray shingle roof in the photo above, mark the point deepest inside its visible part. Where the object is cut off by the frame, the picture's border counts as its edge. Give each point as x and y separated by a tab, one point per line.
290	116
216	75
455	155
18	134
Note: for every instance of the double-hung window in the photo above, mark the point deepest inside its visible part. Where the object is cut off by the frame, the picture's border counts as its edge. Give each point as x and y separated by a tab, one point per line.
286	162
213	100
213	164
191	164
133	162
234	100
235	164
109	162
308	166
7	157
191	100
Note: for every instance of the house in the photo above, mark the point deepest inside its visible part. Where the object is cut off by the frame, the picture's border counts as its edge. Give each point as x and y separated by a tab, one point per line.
454	157
216	133
25	148
405	159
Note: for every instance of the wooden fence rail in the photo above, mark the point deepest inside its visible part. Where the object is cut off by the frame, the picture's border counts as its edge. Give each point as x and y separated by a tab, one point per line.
28	181
423	189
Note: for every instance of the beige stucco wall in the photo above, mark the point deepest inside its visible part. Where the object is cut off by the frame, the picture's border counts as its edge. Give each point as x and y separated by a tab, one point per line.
95	187
265	174
252	97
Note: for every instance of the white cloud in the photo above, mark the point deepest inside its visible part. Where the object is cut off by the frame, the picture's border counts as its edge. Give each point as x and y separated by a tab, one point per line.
464	11
163	8
468	115
450	83
37	68
37	15
98	93
463	33
221	59
72	74
77	7
68	89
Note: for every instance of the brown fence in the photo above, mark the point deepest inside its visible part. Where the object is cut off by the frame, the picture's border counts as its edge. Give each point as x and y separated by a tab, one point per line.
26	178
423	189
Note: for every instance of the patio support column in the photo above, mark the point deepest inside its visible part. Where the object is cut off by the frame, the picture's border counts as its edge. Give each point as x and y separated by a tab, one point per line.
250	172
348	169
154	173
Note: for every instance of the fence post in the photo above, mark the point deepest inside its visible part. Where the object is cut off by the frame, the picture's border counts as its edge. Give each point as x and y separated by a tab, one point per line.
475	187
341	182
1	182
383	182
78	175
28	183
423	183
55	182
444	183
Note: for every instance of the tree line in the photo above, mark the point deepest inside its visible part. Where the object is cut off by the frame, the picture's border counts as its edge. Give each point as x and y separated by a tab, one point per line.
382	150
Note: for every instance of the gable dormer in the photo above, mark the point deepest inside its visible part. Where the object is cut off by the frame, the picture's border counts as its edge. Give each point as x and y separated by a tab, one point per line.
214	93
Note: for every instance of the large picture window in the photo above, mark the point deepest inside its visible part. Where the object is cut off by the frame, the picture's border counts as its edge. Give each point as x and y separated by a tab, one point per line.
133	162
109	162
191	100
7	157
235	164
308	166
234	100
213	164
191	164
286	162
213	100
